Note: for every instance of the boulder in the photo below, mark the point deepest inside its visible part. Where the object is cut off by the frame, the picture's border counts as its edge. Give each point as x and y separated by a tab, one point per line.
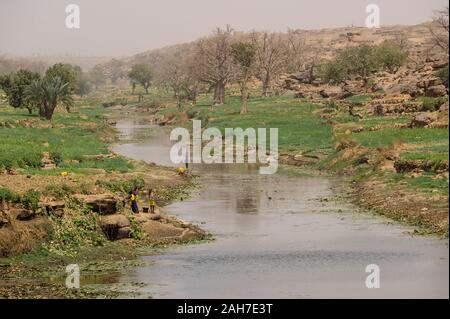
55	208
443	107
353	87
332	92
423	119
115	226
436	91
116	220
123	233
403	88
25	214
145	217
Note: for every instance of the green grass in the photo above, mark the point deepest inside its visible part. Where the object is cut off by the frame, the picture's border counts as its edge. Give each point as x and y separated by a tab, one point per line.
424	184
73	136
372	121
298	128
385	137
359	98
438	152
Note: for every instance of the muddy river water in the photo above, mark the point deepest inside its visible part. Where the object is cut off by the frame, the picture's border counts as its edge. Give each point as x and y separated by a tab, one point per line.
280	236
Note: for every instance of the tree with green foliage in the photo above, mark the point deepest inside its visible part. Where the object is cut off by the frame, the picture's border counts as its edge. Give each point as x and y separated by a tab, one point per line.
47	93
142	74
332	72
355	61
66	72
14	86
5	81
244	57
359	61
443	75
390	55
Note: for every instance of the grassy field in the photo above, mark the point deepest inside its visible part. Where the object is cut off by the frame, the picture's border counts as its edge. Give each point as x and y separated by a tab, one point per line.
71	139
299	130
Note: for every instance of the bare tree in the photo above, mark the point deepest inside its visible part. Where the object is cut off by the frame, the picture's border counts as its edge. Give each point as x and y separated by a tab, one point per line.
296	51
271	52
170	72
191	83
439	29
215	62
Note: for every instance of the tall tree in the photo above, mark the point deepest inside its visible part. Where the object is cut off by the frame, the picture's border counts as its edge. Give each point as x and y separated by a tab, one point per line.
142	74
215	62
170	72
244	56
14	86
439	29
296	44
271	52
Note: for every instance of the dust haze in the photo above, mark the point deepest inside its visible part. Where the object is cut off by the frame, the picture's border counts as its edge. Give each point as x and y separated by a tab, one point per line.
119	28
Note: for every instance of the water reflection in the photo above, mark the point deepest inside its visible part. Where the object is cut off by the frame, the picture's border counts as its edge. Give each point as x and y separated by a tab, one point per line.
274	239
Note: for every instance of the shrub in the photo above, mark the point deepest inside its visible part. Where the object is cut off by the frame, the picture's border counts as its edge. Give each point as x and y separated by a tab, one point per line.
121	185
59	191
31	159
331	104
31	199
443	75
431	104
56	157
136	231
192	113
332	72
6	195
390	55
7	163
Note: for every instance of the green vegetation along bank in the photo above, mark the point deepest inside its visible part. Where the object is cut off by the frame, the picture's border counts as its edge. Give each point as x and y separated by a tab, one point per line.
62	197
397	164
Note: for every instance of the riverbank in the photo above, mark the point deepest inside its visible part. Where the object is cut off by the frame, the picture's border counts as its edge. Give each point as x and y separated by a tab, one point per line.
61	189
288	235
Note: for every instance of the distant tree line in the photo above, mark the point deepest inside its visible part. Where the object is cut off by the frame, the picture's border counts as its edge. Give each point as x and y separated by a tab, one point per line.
224	57
33	91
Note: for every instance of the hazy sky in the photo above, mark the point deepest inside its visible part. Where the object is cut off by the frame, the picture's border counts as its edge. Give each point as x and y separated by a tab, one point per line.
123	27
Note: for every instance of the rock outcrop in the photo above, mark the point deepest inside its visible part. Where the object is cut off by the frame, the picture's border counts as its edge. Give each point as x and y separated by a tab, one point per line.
423	119
115	226
103	204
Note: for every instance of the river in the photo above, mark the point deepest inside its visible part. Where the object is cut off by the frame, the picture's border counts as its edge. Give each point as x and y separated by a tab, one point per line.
280	236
